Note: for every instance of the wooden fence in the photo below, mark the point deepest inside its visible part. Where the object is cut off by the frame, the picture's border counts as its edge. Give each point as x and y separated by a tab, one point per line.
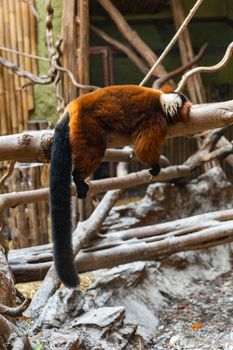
17	32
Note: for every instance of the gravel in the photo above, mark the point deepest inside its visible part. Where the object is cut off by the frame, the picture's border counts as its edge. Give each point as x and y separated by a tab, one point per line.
203	320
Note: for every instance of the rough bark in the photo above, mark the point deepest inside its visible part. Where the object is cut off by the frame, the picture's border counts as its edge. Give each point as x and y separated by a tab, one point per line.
7	287
10	337
35	146
140	242
147	243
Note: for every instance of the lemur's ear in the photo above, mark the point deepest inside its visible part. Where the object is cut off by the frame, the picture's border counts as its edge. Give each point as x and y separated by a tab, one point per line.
166	89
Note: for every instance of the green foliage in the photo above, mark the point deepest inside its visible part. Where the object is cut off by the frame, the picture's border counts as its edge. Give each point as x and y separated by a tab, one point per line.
45	100
38	345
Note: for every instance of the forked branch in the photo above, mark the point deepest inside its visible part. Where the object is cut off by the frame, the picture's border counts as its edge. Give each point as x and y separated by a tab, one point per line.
226	58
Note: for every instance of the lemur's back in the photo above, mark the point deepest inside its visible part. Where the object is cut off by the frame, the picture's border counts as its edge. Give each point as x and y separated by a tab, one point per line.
117	108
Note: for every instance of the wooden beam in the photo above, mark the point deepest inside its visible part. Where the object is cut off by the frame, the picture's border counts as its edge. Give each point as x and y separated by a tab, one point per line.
69	35
83	47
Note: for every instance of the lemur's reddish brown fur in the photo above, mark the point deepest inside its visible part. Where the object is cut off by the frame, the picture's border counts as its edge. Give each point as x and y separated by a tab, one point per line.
141	113
129	110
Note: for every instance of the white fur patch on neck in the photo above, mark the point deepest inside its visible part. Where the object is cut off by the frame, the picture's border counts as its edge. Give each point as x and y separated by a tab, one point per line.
170	103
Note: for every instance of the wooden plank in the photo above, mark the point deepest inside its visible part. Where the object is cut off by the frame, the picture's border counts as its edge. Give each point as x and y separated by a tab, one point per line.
22	64
3	110
9	77
34	217
69	34
83	47
3	100
15	59
4	74
33	37
26	40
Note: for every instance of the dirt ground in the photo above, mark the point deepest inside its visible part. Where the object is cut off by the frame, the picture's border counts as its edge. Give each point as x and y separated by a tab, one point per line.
202	321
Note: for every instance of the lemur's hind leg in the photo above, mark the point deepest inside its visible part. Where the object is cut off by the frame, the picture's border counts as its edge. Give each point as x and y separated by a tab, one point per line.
86	160
81	185
147	145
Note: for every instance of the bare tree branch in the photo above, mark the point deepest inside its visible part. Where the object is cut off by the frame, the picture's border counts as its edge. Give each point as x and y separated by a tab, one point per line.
14	311
17	52
132	36
22	73
210	69
55	67
173	41
127	50
131	180
6	175
161	80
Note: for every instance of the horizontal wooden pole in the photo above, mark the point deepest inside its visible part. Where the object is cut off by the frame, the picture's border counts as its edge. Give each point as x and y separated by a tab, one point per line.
34	146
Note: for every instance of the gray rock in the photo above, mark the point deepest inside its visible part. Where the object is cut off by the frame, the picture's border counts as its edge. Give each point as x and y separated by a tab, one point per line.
62	307
101	318
165	201
99	329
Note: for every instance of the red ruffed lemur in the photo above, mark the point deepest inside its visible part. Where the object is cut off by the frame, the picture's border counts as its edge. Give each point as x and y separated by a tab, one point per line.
80	140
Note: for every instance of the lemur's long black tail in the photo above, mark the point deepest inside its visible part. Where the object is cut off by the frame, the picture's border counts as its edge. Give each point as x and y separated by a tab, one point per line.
60	204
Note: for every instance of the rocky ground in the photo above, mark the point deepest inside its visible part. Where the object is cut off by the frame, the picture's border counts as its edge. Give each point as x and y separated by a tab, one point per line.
185	302
202	320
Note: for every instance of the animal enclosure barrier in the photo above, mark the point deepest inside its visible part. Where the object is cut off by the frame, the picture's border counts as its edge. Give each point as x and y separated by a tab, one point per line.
17	32
28	223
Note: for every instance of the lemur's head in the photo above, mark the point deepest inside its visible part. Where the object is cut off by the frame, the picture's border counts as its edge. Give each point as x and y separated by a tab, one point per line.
175	105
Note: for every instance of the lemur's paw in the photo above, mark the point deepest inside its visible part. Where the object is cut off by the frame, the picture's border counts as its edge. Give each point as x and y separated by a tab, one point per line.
155	170
82	189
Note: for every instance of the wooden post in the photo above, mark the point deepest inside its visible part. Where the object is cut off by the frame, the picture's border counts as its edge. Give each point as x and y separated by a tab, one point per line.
83	47
20	46
69	34
85	206
28	222
27	48
13	43
9	76
18	33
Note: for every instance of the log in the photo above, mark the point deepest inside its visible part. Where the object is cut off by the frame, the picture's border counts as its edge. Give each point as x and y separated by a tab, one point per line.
127	181
35	146
98	186
154	242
